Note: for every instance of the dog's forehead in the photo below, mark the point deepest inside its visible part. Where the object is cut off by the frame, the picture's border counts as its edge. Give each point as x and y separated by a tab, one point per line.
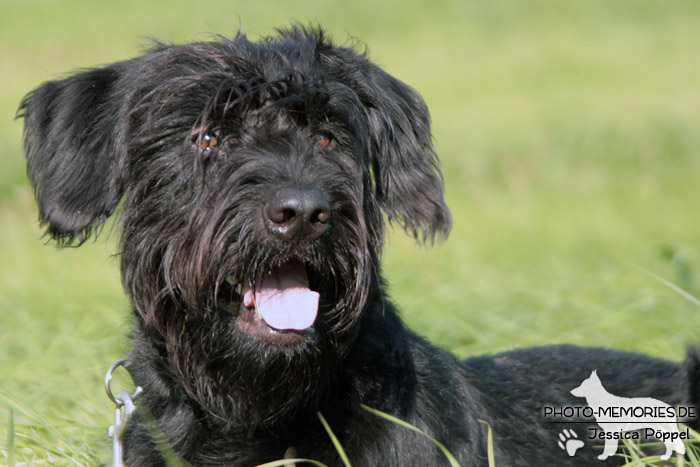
215	81
298	59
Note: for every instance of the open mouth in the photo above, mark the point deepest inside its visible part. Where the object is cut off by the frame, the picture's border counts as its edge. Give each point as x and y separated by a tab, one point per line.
281	307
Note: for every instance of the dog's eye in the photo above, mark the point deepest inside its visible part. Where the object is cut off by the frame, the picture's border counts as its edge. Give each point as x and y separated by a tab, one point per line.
209	142
323	140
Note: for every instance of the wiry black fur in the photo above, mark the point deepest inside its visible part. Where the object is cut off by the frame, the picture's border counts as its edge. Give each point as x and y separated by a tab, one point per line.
132	132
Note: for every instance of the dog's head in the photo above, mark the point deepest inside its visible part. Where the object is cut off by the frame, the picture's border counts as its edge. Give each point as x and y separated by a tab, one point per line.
589	387
252	177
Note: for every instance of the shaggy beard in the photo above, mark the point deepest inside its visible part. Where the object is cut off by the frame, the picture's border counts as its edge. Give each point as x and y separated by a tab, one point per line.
244	382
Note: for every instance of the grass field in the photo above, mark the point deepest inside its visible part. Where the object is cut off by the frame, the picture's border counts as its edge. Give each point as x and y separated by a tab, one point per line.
569	136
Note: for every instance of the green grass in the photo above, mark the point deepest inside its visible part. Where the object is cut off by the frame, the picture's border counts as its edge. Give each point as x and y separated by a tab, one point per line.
568	133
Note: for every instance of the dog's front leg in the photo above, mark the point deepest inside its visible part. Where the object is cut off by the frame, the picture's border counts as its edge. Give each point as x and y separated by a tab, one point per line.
609	449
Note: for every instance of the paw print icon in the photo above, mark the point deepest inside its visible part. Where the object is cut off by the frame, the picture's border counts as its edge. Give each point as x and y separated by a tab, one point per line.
569	442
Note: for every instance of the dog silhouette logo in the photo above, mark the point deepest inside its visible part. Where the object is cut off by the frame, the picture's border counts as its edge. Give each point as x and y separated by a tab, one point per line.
616	415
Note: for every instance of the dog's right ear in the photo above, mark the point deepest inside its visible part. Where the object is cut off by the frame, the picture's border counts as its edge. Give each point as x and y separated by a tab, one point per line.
73	151
407	178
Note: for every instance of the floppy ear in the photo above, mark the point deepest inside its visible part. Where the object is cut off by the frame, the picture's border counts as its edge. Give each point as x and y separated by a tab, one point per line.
407	174
73	152
407	177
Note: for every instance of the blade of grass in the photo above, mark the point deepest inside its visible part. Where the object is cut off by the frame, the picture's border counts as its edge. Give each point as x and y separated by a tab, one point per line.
386	416
634	453
159	439
11	440
692	455
672	286
690	446
336	443
489	444
287	462
43	430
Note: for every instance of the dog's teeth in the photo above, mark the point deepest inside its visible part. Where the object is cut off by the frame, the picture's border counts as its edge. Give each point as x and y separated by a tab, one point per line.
258	315
231	279
239	289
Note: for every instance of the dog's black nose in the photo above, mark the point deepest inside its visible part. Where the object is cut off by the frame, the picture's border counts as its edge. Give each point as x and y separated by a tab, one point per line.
301	213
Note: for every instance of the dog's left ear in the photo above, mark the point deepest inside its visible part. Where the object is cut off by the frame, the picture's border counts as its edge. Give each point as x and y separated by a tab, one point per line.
408	180
71	129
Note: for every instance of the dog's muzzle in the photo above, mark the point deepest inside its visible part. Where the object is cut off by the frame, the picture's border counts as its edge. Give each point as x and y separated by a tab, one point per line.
281	306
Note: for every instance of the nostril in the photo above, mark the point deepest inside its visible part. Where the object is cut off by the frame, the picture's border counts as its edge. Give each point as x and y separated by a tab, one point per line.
321	216
288	215
281	215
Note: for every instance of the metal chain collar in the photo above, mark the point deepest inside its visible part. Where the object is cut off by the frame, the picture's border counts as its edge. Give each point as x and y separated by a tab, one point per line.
123	402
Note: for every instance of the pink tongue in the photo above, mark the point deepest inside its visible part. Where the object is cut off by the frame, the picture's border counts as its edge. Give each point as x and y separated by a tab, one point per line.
284	299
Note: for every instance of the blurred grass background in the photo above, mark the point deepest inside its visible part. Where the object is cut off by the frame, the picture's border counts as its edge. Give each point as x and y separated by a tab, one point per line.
568	133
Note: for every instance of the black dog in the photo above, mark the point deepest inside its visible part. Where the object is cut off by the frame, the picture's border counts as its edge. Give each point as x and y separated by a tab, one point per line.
254	178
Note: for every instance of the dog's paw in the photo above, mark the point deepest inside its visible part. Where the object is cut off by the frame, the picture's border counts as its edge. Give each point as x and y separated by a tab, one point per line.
569	442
